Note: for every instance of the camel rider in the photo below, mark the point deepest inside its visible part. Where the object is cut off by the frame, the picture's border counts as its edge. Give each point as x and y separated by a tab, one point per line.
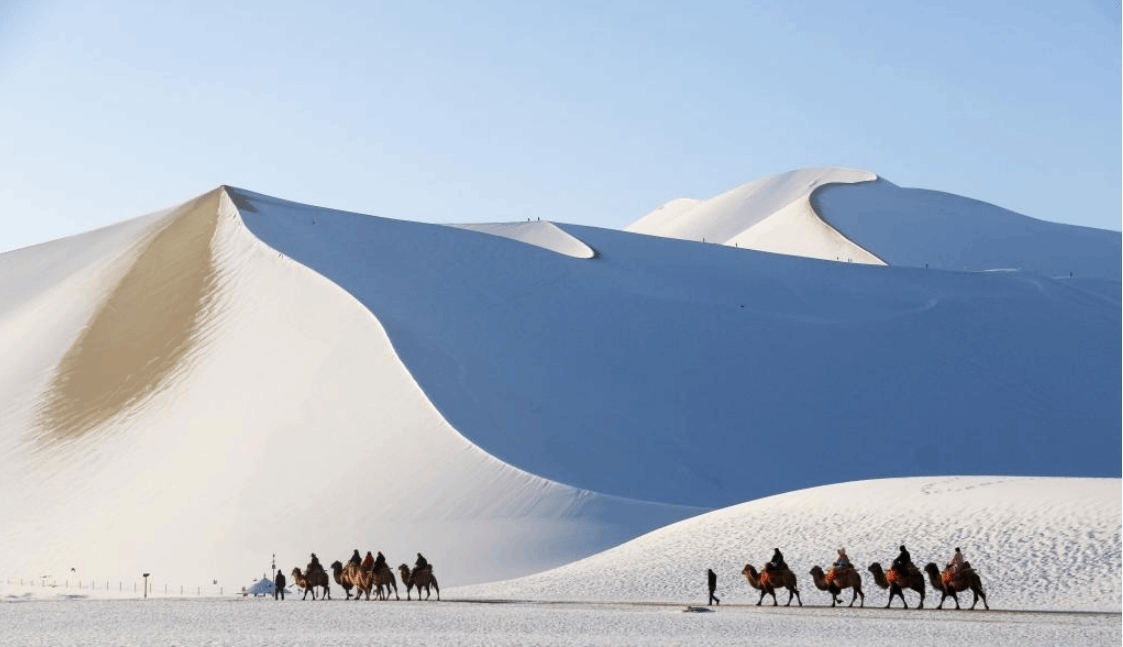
368	562
379	562
420	564
777	563
843	562
314	565
956	563
903	563
355	559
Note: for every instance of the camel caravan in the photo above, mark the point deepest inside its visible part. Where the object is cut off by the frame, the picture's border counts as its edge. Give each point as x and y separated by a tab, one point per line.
957	576
367	575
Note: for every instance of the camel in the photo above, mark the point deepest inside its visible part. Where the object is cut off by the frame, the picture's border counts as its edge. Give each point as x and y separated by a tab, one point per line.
966	579
837	580
352	576
767	583
420	579
337	573
384	577
895	582
310	580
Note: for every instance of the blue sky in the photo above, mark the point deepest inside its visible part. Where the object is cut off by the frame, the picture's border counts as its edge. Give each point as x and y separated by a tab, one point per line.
584	112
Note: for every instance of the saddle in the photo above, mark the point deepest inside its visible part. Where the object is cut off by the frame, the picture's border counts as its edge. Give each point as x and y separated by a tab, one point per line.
836	571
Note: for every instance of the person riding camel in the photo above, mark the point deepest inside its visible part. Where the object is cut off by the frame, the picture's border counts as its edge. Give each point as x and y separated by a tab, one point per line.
421	563
368	562
777	563
355	559
314	565
956	563
843	561
379	562
903	563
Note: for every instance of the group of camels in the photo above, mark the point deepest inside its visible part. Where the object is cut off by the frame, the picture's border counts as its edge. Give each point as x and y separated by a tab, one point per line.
353	576
896	580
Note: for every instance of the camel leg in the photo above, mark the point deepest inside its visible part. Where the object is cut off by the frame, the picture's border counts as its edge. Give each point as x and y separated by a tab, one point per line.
761	597
921	604
978	593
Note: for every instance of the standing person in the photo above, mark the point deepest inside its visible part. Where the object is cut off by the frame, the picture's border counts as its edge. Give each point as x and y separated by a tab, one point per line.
279	586
711	581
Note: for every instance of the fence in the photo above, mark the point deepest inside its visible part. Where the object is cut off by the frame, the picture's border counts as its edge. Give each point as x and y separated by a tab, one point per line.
120	588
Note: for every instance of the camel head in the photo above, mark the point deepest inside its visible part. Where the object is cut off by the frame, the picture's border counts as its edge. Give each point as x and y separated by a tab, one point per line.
336	566
296	570
816	571
748	570
404	569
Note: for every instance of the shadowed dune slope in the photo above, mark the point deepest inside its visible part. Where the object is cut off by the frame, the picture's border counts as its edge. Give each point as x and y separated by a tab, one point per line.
922	228
674	371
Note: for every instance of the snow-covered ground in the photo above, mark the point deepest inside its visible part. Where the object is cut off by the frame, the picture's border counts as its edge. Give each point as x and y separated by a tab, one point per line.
249	622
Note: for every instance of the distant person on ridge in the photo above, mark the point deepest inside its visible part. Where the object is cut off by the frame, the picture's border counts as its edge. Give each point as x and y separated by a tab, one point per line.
711	582
279	586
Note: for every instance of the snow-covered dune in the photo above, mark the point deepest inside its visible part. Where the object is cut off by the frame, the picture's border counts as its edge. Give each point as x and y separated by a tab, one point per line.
656	370
772	214
1041	543
282	422
856	216
921	228
194	391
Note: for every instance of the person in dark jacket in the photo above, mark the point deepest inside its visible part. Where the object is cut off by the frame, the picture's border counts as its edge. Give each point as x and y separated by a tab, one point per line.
711	582
903	563
379	562
777	563
356	559
421	562
314	565
279	586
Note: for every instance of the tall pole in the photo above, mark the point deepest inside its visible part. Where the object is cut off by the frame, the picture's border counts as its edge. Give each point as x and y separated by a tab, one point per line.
146	585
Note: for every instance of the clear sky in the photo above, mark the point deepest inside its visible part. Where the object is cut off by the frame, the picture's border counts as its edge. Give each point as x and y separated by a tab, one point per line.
583	112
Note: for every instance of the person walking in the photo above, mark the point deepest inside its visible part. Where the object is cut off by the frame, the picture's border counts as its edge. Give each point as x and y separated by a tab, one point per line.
711	581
